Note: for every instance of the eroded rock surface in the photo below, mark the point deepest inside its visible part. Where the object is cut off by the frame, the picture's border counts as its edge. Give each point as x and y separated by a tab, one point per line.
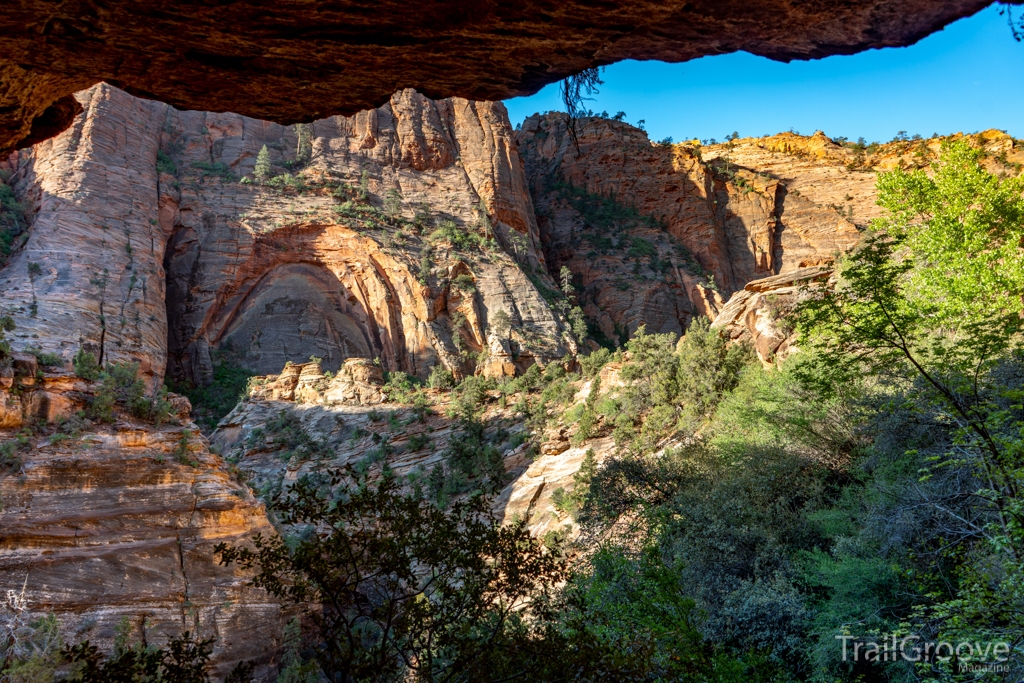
654	234
138	194
298	61
102	523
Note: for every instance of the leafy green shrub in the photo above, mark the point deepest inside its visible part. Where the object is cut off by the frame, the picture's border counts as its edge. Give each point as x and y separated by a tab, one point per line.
121	386
639	247
217	169
449	231
464	283
182	452
369	535
6	325
440	378
709	367
164	164
44	359
86	366
230	384
9	458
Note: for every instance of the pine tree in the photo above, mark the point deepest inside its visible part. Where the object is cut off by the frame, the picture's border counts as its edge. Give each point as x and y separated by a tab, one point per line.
304	146
262	171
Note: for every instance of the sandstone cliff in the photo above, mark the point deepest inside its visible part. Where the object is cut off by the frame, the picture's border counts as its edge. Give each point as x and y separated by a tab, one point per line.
694	232
138	196
105	522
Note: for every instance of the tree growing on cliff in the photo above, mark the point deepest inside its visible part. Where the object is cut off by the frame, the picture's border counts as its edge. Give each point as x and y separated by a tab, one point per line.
501	323
262	171
100	282
304	144
34	270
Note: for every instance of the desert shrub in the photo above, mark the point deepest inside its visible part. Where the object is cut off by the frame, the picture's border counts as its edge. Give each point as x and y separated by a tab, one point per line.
464	283
44	359
229	384
216	169
709	367
6	325
121	387
86	366
440	378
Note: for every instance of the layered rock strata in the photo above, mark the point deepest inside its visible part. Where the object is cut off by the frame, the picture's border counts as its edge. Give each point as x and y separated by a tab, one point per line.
654	234
105	523
312	265
759	313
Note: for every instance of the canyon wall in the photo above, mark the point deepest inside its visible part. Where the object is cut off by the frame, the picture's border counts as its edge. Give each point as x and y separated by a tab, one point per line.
695	231
274	273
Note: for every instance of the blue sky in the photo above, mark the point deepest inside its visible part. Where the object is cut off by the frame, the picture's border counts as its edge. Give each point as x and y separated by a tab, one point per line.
966	78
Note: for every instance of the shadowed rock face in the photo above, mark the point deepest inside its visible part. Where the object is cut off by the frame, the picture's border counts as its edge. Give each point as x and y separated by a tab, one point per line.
293	60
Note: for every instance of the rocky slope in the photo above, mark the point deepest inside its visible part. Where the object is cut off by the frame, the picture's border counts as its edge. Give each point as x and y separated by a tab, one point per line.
386	241
296	61
105	522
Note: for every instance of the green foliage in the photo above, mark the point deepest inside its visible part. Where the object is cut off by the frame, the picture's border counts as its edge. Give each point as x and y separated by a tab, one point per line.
86	366
641	248
13	220
164	163
44	359
215	169
211	402
501	323
368	538
185	659
709	367
304	143
288	181
121	387
10	459
464	283
6	325
440	378
459	238
263	171
393	203
926	314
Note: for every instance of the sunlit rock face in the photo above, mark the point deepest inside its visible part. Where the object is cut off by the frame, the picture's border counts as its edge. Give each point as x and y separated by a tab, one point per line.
657	233
138	197
118	522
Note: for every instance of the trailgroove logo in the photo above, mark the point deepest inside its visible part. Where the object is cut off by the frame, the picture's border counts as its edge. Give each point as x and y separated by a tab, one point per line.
976	656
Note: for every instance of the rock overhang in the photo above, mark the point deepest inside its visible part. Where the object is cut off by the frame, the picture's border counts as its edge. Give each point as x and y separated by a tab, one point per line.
294	61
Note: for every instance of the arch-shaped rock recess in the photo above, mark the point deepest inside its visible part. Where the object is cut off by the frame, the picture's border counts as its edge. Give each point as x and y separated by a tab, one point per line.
292	60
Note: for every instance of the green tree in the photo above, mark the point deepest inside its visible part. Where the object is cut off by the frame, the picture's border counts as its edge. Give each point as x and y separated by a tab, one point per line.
501	323
934	296
396	587
304	144
263	170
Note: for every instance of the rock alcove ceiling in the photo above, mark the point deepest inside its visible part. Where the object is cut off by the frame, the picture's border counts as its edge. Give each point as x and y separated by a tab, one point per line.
293	60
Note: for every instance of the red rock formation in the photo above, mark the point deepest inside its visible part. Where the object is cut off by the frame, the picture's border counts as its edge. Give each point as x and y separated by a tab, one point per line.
239	252
108	522
705	228
293	60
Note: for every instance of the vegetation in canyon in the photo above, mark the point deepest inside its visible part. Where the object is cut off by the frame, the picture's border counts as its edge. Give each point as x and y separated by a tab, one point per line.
866	487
